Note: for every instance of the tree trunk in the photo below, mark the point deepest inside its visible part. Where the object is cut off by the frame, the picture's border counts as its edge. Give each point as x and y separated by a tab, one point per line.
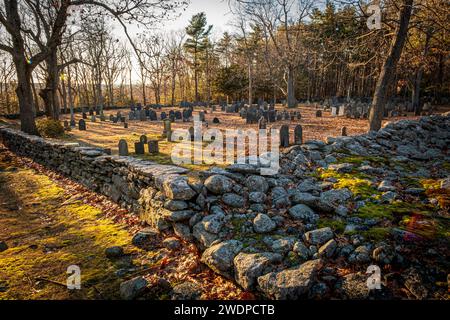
25	96
291	100
417	107
389	67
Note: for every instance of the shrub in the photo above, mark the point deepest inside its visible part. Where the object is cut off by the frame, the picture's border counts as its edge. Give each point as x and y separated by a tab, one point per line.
50	128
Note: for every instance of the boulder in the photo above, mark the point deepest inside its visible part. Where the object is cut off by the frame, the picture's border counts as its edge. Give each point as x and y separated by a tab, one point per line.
249	266
318	236
133	288
176	187
219	184
257	184
186	291
354	286
220	257
233	200
263	224
290	284
328	249
280	198
303	213
330	200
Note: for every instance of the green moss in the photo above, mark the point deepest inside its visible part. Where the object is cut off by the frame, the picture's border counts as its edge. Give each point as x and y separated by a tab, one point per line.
335	225
376	234
393	210
358	160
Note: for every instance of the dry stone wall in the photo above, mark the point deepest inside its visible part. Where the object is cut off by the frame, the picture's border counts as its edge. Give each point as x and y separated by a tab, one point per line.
279	234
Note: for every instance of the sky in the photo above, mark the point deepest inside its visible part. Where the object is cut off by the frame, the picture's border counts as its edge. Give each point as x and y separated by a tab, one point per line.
217	14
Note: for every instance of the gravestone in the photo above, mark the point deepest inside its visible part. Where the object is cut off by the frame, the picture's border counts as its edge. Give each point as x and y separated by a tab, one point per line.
73	124
262	123
178	115
123	119
152	115
102	118
216	121
202	116
143	139
153	147
163	116
272	116
192	133
167	133
125	125
334	111
139	148
123	148
82	125
298	135
344	131
284	136
115	119
66	125
318	113
279	116
84	115
111	118
142	115
93	119
299	115
91	112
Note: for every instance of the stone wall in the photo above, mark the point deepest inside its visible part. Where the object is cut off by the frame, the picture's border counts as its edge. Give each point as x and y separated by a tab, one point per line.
143	187
277	234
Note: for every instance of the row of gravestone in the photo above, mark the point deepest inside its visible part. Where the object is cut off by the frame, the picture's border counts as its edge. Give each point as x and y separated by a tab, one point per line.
139	146
254	115
144	115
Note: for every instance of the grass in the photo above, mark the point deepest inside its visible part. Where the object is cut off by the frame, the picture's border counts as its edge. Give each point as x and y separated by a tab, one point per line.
46	234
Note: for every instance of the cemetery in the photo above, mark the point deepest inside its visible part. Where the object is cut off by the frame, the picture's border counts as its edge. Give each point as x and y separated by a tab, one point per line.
184	167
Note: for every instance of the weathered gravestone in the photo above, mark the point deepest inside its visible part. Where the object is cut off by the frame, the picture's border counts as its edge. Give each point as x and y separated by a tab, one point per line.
334	111
178	115
167	133
125	125
139	148
153	147
318	113
344	131
272	116
284	136
298	135
82	125
262	123
73	124
163	116
142	115
123	148
143	139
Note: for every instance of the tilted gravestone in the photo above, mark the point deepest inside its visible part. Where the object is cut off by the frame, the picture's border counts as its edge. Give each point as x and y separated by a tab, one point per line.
123	148
298	135
153	147
143	139
139	148
262	123
284	136
82	125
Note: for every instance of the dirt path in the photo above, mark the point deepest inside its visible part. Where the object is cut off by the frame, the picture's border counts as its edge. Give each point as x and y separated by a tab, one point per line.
50	223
